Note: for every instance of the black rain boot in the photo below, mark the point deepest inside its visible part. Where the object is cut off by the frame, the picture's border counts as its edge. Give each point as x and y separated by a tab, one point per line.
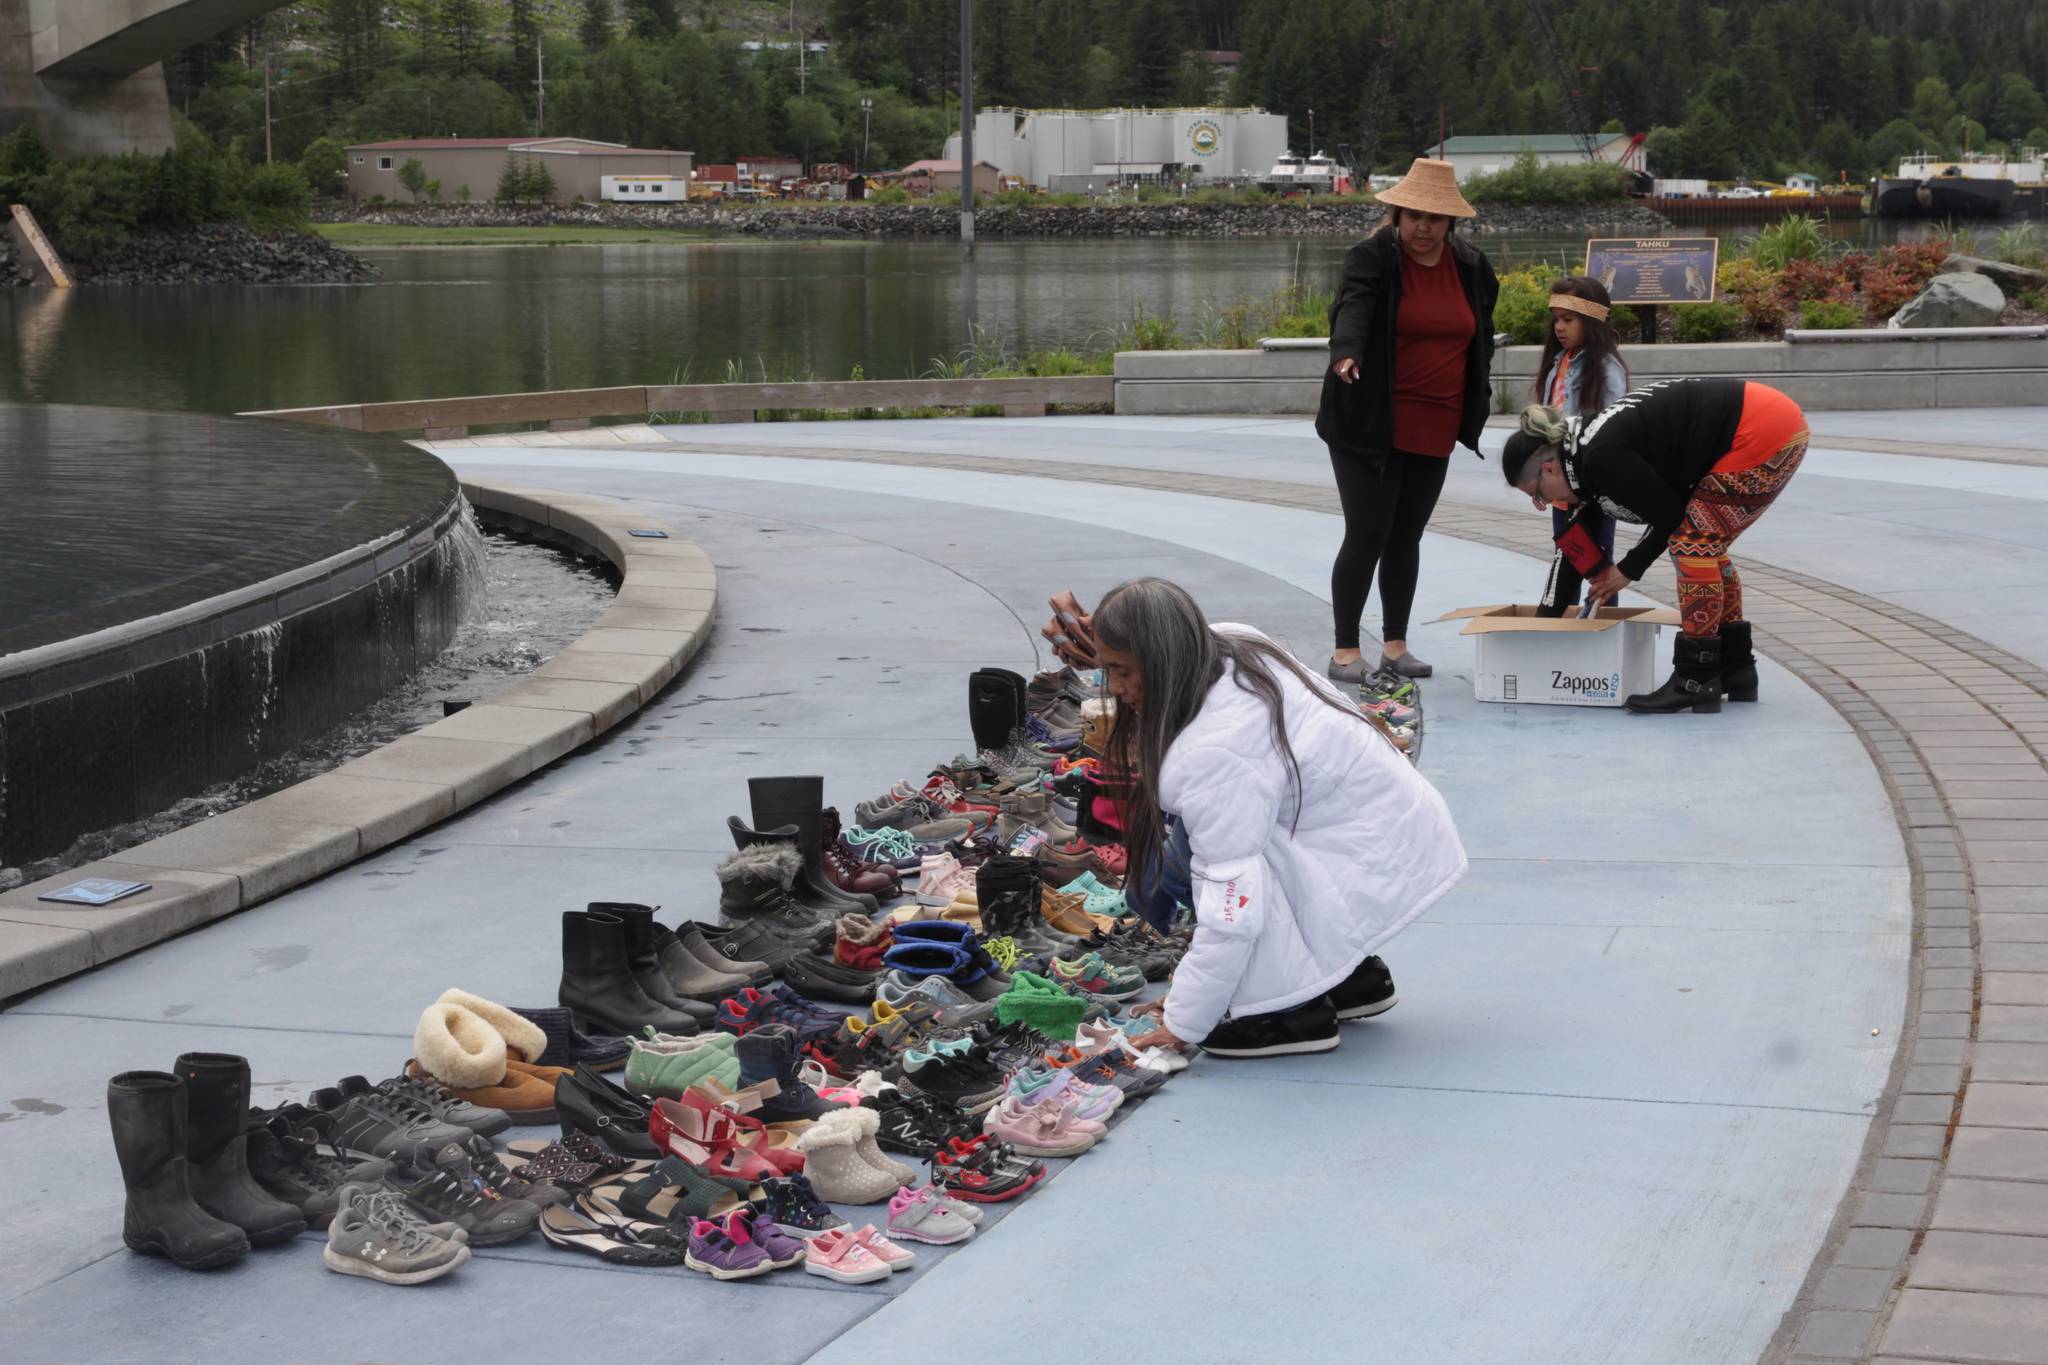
1008	890
754	888
217	1150
597	986
148	1112
1695	681
800	801
643	959
990	710
1738	662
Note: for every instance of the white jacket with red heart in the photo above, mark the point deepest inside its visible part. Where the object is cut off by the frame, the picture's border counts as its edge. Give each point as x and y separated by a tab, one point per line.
1286	908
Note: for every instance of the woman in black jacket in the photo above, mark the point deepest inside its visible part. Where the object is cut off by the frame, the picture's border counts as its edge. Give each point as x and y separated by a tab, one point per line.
1696	461
1411	353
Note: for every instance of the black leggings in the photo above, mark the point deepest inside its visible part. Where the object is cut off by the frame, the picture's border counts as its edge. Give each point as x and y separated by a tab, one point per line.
1384	514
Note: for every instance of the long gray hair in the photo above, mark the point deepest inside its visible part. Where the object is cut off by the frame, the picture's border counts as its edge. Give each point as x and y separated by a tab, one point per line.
1180	659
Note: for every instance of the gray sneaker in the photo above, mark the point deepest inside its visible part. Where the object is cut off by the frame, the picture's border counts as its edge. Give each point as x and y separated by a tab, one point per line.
956	1009
377	1124
919	817
376	1236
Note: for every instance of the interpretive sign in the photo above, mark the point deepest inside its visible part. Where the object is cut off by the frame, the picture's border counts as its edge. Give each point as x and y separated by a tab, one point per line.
1655	269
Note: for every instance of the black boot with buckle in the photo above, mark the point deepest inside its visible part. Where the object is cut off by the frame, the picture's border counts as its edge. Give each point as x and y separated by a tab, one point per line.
1738	662
1695	681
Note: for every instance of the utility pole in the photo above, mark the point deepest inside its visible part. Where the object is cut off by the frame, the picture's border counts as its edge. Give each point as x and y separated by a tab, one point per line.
867	108
802	85
1311	132
967	126
540	83
266	108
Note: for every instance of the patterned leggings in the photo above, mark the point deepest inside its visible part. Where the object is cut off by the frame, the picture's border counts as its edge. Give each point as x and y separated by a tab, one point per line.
1722	508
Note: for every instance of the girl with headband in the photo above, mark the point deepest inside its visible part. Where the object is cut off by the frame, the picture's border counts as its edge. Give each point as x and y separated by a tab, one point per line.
1580	373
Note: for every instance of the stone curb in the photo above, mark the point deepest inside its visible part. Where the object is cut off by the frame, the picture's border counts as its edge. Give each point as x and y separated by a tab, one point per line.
1939	1247
663	614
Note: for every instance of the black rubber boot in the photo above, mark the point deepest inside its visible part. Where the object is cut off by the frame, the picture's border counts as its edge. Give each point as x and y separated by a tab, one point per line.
1738	662
1008	890
991	710
598	988
148	1112
1695	681
217	1150
800	801
643	960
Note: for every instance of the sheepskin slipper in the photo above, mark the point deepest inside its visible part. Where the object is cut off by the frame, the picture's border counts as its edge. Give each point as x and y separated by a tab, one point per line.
833	1162
456	1047
523	1096
524	1039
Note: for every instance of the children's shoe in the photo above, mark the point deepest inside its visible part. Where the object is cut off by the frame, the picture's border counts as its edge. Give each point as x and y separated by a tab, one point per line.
926	1215
747	1223
918	1125
796	1208
1042	1084
1049	1129
723	1254
962	1177
1096	898
837	1255
1032	999
882	1249
951	1076
376	1236
955	1008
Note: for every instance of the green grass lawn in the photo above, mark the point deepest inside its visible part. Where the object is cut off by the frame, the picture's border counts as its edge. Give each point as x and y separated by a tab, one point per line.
405	234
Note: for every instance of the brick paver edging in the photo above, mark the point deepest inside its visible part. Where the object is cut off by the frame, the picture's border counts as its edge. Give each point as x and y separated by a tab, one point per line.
667	600
1939	1250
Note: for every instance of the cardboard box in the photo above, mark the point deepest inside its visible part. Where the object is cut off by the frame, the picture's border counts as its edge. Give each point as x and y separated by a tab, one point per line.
1564	661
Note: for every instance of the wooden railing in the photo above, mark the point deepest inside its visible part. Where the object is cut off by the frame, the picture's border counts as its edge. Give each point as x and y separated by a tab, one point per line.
574	409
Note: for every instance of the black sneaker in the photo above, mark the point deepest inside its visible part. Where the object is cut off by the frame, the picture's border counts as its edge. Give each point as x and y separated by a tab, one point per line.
483	1161
1013	1045
287	1157
477	1118
454	1194
918	1125
378	1124
1369	990
423	1101
1305	1028
954	1079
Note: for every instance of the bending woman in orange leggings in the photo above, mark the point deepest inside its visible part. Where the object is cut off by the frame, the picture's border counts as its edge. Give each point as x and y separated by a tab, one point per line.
1696	461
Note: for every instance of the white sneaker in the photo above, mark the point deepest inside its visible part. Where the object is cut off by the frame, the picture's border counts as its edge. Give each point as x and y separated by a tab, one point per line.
938	878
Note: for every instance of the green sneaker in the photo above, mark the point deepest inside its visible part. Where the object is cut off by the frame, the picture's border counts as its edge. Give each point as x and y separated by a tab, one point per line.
1038	1002
665	1066
1098	976
1097	899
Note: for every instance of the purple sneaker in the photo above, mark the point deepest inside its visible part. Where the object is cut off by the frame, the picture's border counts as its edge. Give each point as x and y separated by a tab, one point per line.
723	1255
764	1232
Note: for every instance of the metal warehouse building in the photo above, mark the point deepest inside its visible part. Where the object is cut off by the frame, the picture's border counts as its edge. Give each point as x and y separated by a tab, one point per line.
1061	148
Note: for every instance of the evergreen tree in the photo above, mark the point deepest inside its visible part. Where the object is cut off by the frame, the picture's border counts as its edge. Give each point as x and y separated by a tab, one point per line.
523	28
459	28
594	30
653	20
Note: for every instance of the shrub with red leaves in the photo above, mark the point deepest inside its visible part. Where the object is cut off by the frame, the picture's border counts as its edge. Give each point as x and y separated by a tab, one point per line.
1804	280
1886	291
1916	261
1852	267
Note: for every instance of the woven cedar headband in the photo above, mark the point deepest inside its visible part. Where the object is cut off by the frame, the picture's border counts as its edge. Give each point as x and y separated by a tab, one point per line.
1573	304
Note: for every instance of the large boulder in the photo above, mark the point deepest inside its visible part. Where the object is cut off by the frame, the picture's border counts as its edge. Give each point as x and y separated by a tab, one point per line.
2013	279
1959	300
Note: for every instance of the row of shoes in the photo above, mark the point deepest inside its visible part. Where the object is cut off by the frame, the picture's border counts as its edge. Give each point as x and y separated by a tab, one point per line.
1394	704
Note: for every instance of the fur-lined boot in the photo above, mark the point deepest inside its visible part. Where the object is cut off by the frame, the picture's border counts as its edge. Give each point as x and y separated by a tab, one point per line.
754	888
833	1160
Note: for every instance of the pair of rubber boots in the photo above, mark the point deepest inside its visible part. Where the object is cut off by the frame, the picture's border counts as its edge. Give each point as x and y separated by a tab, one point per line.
1704	670
996	706
622	972
1008	891
791	811
182	1140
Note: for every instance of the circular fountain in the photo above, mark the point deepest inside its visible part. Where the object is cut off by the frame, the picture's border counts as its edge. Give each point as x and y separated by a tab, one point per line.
184	595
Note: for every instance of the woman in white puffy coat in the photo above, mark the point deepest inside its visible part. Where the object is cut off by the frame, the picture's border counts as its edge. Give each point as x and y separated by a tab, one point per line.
1310	839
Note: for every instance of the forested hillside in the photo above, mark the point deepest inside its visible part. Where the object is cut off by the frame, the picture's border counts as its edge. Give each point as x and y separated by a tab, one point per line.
1748	87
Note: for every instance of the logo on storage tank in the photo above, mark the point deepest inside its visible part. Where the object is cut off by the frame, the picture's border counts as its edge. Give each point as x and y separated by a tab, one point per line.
1204	137
1594	688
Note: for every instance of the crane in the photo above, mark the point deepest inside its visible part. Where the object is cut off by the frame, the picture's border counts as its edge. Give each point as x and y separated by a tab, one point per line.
1579	119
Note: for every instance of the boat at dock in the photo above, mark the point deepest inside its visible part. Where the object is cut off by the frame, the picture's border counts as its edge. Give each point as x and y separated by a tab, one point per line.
1977	185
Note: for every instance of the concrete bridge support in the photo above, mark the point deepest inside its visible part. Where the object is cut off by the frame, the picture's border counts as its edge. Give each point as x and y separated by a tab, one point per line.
88	74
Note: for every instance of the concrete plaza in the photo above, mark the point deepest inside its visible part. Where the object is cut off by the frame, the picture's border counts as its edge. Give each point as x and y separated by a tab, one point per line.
1624	1112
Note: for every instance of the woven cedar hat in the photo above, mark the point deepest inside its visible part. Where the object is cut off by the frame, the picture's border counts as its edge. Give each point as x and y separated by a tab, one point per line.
1429	187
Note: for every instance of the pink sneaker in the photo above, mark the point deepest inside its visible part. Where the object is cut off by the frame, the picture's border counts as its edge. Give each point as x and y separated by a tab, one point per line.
835	1255
1045	1129
884	1250
940	878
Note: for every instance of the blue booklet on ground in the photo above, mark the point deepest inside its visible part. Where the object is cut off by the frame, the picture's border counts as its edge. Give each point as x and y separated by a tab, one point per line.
94	891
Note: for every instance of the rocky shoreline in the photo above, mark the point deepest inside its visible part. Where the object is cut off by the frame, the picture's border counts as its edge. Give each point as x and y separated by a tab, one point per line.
842	220
223	253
